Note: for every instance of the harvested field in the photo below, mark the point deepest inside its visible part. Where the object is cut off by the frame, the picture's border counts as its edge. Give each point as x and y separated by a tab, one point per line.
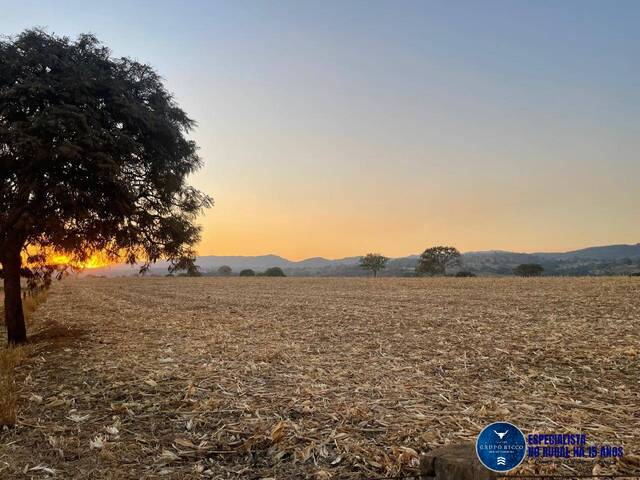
321	378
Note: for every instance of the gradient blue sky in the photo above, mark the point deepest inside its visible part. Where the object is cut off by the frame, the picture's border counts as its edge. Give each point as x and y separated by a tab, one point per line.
337	128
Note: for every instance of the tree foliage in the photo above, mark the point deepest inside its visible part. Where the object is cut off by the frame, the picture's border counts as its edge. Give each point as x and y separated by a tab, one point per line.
224	270
374	262
247	272
185	264
528	270
274	272
435	260
93	157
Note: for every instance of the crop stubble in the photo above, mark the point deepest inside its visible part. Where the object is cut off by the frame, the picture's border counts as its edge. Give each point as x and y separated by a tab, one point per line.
325	378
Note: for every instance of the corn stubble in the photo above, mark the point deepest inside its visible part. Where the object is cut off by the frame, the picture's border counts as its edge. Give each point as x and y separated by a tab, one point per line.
319	378
9	359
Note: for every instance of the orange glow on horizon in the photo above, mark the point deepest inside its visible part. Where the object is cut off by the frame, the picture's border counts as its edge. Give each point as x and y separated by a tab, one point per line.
96	260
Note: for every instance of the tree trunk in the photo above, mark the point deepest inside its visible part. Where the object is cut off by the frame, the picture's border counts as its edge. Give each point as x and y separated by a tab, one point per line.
13	314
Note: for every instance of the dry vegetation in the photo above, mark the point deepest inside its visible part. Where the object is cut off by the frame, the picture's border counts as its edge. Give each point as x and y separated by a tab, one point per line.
324	378
11	358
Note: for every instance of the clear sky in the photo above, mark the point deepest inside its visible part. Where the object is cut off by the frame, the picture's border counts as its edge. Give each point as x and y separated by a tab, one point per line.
337	128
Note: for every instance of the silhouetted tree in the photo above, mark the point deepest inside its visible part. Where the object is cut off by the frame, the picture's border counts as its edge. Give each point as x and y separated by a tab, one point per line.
224	270
93	156
186	263
528	270
247	272
435	260
374	262
274	272
194	271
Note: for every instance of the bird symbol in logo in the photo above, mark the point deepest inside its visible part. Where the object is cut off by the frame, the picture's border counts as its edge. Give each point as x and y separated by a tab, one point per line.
501	434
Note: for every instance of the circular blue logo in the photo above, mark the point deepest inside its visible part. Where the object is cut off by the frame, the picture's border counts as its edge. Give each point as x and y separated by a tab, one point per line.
501	447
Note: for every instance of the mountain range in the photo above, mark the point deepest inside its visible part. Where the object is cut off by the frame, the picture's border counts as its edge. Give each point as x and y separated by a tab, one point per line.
602	260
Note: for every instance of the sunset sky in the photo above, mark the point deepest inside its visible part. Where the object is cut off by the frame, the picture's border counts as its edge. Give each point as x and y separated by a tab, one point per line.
338	128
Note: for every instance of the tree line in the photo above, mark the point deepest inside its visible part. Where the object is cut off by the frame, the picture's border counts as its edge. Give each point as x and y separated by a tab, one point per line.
435	261
226	271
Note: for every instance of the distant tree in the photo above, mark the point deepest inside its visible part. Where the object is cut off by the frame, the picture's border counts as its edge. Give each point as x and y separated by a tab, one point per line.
224	270
274	272
374	262
528	270
247	272
464	273
93	157
435	260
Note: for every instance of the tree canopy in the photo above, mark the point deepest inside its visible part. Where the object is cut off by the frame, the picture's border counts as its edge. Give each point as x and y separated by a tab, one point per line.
93	157
374	262
435	260
274	272
224	270
187	267
528	270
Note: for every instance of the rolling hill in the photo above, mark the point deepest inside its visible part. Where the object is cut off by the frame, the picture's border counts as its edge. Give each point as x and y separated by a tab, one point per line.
601	260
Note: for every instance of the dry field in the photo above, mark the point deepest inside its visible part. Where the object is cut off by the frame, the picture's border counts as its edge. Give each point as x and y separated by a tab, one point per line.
321	378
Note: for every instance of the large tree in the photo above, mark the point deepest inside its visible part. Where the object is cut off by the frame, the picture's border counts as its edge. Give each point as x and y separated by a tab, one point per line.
435	260
93	157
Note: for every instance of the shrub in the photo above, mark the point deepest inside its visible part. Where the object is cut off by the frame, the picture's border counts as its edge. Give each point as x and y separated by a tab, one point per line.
464	273
247	272
224	270
274	272
528	270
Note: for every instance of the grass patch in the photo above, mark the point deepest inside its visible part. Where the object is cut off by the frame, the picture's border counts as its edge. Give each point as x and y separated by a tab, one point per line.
10	358
30	303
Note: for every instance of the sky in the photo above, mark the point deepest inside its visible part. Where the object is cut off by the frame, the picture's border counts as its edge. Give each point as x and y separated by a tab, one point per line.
337	128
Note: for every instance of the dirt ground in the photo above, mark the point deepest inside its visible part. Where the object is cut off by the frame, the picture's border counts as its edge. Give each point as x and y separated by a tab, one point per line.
318	378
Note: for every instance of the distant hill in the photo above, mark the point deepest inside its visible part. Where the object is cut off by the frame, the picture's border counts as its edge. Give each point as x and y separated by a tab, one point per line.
609	252
603	260
263	262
